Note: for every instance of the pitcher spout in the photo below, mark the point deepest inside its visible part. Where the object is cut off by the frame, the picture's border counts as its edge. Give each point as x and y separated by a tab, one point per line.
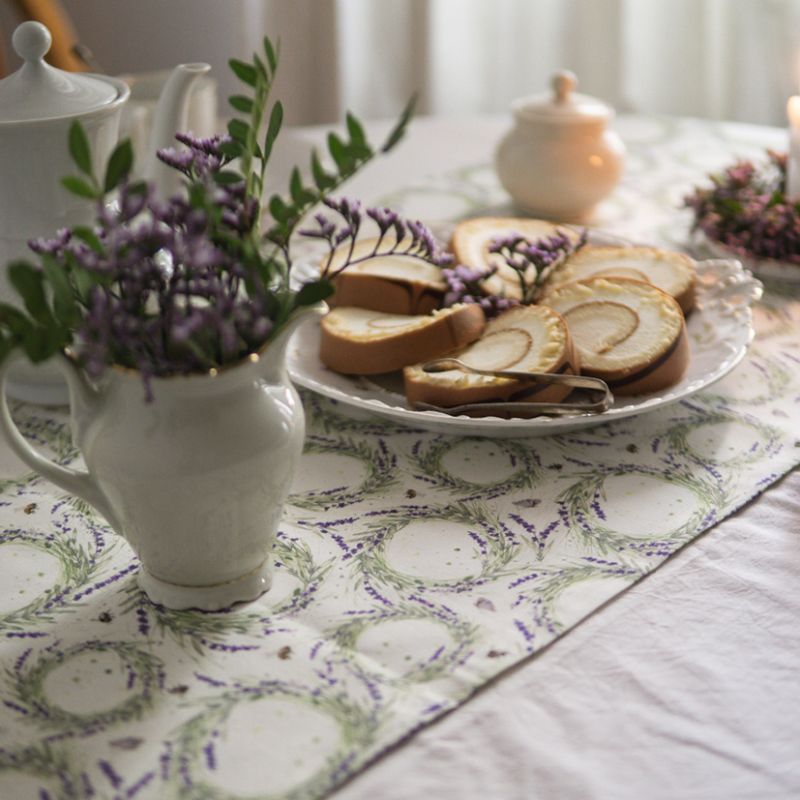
273	357
169	118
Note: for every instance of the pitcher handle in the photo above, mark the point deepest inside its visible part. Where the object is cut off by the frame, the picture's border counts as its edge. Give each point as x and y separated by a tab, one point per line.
77	482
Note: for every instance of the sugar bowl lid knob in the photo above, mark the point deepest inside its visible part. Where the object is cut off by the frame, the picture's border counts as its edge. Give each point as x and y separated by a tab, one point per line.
564	83
31	41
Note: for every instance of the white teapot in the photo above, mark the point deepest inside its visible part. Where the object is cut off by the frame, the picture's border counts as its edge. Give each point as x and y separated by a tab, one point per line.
38	104
559	160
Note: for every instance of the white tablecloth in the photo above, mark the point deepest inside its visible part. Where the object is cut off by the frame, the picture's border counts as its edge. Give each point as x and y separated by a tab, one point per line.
684	686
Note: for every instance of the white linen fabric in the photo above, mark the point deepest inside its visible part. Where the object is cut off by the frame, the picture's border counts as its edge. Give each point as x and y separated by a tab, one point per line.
685	686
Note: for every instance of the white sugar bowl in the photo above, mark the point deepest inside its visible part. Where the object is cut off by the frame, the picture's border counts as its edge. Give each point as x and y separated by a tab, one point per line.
560	159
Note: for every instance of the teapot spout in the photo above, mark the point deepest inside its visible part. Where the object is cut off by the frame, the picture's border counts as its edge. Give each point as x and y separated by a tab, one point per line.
170	117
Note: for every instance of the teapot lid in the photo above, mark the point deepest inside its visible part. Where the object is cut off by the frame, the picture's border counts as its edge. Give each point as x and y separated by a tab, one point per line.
37	91
564	105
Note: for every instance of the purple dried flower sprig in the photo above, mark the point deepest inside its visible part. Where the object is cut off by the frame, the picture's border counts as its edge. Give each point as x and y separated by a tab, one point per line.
160	291
396	236
746	209
534	260
467	285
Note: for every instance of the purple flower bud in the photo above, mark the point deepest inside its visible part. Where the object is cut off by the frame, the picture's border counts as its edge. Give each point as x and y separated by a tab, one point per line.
181	160
344	233
52	246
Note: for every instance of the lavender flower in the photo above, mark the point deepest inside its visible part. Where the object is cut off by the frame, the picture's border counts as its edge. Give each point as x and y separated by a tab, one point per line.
168	278
54	246
534	260
531	260
465	285
395	236
202	159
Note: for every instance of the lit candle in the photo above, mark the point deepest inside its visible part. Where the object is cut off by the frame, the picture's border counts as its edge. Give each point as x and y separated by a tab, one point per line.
793	164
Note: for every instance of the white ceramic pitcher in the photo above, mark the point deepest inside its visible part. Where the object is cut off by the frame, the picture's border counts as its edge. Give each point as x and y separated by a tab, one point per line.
196	479
38	104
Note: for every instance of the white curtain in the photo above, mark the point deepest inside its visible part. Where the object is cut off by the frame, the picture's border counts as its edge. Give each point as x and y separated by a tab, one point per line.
727	59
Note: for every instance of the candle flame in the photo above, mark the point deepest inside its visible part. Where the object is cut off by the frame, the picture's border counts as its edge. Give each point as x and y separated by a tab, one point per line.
793	110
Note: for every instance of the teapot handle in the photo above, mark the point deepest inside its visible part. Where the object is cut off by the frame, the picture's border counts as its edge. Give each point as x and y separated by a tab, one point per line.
77	482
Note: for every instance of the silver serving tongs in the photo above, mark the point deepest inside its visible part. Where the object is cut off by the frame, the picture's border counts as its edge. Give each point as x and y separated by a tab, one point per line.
600	395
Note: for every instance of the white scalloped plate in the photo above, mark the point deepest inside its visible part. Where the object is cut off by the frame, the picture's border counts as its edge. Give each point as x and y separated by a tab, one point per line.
720	331
767	268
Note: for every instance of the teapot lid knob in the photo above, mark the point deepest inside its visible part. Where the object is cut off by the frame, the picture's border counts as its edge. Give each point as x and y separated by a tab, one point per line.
564	84
31	41
39	91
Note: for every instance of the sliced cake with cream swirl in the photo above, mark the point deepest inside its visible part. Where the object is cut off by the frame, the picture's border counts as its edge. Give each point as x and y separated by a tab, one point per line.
393	283
523	339
360	341
472	239
673	273
629	333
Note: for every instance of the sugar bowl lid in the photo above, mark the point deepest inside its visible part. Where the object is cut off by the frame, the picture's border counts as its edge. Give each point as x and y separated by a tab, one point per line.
38	91
563	105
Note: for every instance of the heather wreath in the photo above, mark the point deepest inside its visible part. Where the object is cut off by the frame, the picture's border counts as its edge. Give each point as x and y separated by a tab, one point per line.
746	209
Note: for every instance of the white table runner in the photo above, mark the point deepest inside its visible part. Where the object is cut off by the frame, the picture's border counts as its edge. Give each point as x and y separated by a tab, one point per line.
412	569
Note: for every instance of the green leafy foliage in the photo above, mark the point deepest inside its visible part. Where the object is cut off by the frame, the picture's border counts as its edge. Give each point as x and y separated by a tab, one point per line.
79	148
57	293
241	103
42	331
399	130
88	236
243	71
119	165
65	305
79	187
348	155
311	293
